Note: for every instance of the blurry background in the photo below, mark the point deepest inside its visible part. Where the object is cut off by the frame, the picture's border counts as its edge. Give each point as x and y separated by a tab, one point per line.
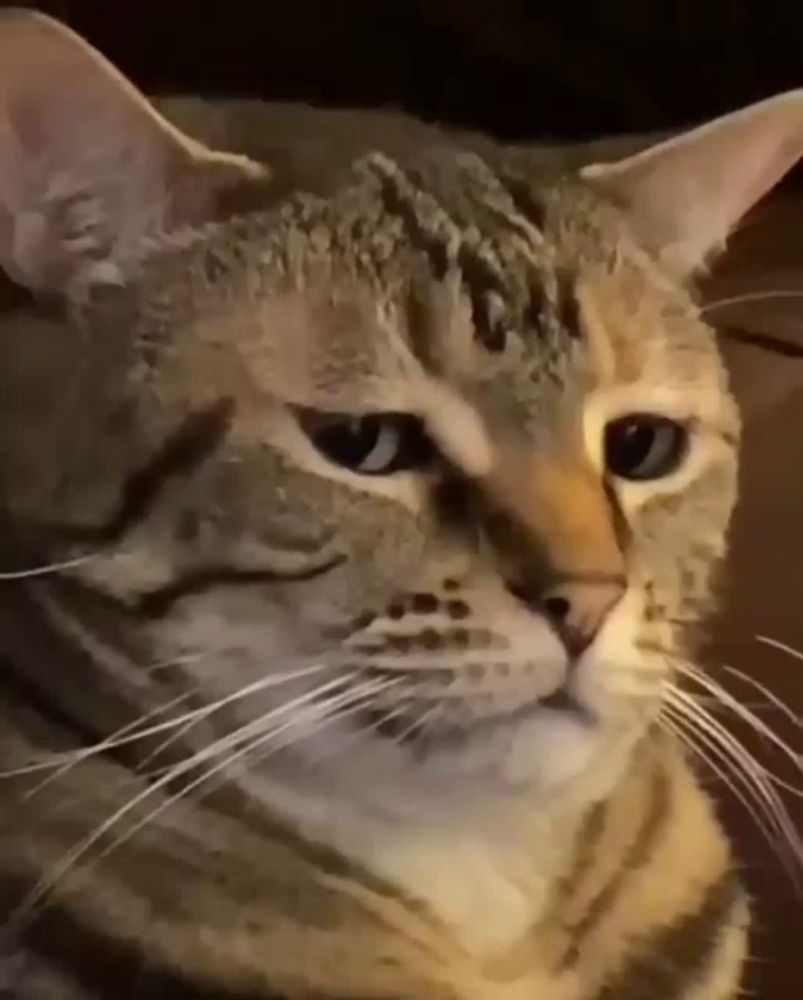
526	70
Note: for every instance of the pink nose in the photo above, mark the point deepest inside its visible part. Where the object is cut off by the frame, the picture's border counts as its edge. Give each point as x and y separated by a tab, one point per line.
577	610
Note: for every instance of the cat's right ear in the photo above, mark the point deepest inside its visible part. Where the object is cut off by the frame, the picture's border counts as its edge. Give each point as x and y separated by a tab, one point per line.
88	169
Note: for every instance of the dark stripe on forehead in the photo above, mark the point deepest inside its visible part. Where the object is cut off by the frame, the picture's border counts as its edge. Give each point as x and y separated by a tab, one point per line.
525	200
400	198
523	213
485	290
567	305
516	209
431	229
671	961
491	197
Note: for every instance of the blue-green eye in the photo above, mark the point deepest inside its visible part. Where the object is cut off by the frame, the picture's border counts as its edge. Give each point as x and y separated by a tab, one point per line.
373	444
642	446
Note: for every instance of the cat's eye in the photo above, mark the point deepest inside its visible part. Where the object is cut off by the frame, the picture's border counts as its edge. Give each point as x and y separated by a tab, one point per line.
374	444
644	446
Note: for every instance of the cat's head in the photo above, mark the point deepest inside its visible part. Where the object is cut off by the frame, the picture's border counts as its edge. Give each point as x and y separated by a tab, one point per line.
424	479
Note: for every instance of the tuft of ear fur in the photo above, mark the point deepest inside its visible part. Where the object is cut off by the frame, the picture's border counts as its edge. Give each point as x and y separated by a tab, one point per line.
88	169
685	195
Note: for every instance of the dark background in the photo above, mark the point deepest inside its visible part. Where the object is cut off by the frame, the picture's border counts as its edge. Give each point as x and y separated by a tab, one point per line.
516	68
520	69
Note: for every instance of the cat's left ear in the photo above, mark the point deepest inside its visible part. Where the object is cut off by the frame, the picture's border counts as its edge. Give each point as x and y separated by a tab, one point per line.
685	195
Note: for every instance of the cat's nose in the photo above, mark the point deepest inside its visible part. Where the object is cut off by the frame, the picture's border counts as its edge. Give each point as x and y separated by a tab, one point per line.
577	610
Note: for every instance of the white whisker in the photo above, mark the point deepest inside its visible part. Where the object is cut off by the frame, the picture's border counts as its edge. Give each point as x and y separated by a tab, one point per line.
747	777
65	759
179	661
72	857
737	748
681	726
745	714
765	296
745	768
419	724
207	711
315	712
56	567
125	735
782	646
355	700
771	697
121	736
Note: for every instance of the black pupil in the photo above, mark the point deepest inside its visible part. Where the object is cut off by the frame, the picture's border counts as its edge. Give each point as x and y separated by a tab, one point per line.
349	441
643	447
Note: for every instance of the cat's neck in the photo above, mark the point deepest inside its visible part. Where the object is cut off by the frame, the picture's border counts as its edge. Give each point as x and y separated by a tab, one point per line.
488	869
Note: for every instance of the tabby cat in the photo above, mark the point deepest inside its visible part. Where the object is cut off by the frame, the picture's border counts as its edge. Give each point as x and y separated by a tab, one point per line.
358	506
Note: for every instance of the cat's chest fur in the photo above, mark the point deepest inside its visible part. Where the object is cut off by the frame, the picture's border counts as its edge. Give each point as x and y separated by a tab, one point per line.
487	881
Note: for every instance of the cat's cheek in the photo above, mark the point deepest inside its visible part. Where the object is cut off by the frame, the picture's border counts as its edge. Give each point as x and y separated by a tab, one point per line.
615	680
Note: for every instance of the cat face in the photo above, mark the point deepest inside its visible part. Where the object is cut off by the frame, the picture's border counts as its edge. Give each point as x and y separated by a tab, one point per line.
423	481
462	469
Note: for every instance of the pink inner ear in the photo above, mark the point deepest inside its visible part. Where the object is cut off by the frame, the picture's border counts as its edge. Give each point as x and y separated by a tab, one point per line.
686	195
76	137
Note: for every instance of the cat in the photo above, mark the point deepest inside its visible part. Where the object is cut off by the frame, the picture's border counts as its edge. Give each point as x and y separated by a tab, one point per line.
358	509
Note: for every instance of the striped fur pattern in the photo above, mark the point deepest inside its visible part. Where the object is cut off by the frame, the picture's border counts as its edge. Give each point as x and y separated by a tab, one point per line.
273	728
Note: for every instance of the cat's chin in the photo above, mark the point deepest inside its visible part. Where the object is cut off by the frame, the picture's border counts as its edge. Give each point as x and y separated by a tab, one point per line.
550	750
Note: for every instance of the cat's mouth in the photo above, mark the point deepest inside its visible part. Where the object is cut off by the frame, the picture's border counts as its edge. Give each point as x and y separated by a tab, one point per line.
562	700
426	731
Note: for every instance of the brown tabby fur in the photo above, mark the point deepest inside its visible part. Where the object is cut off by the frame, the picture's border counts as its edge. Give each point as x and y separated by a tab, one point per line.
185	307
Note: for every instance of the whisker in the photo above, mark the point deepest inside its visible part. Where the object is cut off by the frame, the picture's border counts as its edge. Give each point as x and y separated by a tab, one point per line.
709	752
750	777
734	743
50	568
125	736
58	760
118	738
745	714
745	767
782	646
201	715
417	726
320	710
773	698
681	727
72	857
760	296
179	661
354	704
728	701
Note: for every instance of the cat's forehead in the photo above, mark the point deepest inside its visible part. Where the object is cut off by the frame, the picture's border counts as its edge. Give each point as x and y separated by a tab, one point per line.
523	255
442	267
